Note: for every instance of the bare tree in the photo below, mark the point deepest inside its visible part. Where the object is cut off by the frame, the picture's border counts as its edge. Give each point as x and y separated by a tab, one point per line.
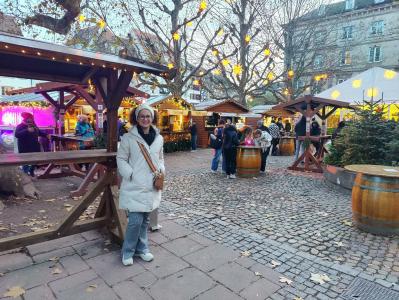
299	41
251	68
175	27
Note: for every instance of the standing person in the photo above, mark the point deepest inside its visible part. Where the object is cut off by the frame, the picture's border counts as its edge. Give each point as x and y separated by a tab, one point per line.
137	194
264	140
218	133
315	130
28	134
280	124
300	130
261	126
337	131
84	129
248	139
275	133
193	132
230	143
287	127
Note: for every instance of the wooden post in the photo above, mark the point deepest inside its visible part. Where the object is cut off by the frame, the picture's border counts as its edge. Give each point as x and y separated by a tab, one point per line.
61	113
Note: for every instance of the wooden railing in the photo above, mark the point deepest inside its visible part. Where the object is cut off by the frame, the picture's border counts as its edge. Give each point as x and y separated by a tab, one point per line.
107	213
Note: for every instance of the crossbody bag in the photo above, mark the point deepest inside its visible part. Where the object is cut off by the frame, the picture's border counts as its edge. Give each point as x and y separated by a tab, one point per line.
159	177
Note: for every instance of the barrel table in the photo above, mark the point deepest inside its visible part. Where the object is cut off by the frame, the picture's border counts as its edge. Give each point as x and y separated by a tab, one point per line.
375	198
248	161
287	146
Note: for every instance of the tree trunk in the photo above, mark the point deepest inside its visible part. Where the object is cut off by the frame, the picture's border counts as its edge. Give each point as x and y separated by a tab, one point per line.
14	181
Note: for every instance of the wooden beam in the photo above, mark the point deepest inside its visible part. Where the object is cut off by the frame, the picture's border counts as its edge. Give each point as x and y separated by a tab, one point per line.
87	199
38	76
85	95
331	112
89	74
72	101
31	238
50	99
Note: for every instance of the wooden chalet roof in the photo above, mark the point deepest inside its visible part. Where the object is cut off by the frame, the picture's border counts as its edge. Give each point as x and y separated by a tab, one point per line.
28	58
211	105
293	106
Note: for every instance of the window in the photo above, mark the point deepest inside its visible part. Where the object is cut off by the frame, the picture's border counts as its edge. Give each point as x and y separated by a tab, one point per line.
349	4
318	61
377	27
375	54
347	32
346	57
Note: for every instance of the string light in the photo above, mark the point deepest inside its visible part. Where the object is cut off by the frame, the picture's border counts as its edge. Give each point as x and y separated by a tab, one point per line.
170	66
196	82
203	5
217	72
38	53
357	83
271	76
101	23
220	32
267	52
23	51
237	69
6	46
215	52
68	59
290	73
176	36
247	38
82	18
189	24
335	94
225	62
266	82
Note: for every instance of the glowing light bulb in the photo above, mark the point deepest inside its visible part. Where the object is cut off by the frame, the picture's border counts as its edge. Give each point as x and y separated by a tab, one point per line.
176	36
335	94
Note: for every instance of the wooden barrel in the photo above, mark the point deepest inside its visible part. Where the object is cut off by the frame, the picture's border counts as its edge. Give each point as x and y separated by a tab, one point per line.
375	201
287	146
248	161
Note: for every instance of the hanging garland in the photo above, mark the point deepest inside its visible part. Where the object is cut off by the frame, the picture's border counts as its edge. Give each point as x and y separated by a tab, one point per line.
37	104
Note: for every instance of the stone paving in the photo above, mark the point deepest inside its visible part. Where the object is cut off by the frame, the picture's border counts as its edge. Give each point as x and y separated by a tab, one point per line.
300	222
87	266
222	239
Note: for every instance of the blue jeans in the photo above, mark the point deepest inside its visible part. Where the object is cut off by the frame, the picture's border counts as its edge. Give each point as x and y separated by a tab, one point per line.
215	160
298	148
136	239
194	142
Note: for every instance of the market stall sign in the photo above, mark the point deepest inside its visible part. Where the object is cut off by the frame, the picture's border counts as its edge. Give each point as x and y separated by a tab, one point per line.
199	113
176	112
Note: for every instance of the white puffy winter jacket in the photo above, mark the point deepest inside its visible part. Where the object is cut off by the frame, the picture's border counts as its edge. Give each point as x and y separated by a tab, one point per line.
137	193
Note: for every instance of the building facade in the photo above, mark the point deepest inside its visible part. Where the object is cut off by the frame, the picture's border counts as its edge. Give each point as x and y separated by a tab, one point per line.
340	40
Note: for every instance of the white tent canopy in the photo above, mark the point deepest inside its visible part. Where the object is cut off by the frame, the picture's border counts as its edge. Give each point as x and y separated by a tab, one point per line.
375	83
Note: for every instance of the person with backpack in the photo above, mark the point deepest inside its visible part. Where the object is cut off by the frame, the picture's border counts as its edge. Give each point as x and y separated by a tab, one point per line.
230	143
216	141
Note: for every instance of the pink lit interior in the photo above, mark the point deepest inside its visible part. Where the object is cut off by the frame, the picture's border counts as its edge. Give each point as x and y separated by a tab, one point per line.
11	115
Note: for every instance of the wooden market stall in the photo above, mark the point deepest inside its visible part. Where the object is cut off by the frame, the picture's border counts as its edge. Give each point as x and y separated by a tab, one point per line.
208	113
173	121
310	106
27	58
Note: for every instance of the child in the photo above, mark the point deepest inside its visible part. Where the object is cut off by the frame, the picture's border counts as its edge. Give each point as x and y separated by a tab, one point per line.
264	140
248	139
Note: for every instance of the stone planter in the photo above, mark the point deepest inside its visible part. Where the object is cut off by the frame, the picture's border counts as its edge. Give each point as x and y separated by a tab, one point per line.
339	176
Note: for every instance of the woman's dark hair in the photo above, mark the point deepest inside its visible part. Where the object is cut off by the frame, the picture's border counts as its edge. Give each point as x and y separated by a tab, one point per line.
133	119
221	122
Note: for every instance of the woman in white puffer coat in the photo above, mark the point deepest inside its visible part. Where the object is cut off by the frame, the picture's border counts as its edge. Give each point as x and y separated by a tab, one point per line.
137	194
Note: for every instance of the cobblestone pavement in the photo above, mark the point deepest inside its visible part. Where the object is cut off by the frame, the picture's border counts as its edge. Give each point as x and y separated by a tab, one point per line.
87	266
298	221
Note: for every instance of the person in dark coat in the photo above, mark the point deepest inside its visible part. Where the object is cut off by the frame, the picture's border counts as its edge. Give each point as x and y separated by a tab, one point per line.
28	134
288	126
300	130
193	132
315	130
230	143
337	131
